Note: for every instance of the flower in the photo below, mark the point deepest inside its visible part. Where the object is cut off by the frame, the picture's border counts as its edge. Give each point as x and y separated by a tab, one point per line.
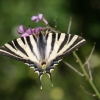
21	30
27	33
39	17
36	30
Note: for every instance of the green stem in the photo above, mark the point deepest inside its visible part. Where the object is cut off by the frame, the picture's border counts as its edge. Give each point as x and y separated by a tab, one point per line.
87	76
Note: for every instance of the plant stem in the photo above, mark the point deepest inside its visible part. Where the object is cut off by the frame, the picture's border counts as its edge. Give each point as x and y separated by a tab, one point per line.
87	76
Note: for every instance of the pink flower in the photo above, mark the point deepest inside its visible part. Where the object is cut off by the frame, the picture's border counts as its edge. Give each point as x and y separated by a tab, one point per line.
38	18
21	30
36	30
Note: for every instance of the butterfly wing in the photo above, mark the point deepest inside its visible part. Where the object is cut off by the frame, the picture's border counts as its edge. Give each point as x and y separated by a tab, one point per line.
59	45
33	49
23	49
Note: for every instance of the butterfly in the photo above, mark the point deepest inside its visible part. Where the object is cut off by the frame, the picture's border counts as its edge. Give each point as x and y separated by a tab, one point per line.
42	51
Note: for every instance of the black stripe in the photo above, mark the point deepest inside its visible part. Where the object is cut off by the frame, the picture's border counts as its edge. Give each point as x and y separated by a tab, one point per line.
4	48
75	42
70	37
41	44
46	36
19	47
14	57
59	36
29	43
53	40
63	43
12	45
22	38
40	37
34	38
77	46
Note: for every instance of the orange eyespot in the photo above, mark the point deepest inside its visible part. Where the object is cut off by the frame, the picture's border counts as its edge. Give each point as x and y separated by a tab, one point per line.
43	62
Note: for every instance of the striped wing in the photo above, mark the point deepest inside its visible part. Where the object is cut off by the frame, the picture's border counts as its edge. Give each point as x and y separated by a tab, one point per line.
60	44
22	49
50	47
37	51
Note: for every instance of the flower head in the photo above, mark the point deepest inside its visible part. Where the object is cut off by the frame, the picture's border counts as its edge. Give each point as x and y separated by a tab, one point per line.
38	18
21	29
36	30
23	32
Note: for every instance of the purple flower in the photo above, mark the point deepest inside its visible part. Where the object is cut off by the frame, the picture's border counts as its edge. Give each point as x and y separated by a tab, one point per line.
27	33
38	18
36	30
21	29
23	32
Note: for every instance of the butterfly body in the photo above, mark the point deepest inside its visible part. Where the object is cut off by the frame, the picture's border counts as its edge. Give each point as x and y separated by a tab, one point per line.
43	51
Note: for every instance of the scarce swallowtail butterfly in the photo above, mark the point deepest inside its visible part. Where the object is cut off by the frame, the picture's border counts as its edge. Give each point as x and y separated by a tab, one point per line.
43	51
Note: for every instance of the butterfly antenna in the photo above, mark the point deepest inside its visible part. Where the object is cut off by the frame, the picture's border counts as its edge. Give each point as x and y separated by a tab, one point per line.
69	26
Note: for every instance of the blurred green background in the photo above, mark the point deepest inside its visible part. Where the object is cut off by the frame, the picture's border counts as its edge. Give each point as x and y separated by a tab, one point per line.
18	81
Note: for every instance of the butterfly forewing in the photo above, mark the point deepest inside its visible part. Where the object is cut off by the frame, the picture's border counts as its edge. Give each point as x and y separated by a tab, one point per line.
21	49
62	44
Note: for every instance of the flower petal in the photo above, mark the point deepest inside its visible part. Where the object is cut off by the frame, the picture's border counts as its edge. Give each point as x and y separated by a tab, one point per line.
40	16
36	30
29	31
21	29
34	17
25	34
37	20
